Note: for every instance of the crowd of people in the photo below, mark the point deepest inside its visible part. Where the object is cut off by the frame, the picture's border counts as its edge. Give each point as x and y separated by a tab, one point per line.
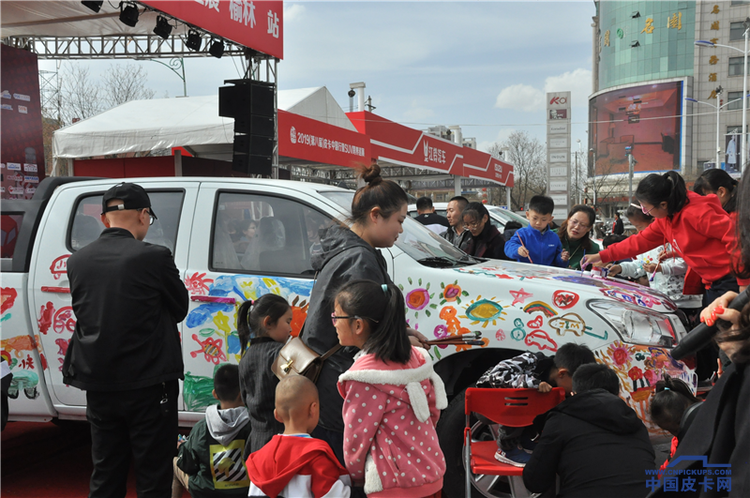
367	425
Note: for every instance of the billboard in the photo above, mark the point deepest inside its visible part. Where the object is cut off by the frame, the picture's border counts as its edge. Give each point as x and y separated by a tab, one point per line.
22	149
646	120
558	152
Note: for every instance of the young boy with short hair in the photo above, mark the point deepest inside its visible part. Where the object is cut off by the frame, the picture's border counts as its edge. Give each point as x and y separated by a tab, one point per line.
532	370
593	440
537	243
209	463
294	463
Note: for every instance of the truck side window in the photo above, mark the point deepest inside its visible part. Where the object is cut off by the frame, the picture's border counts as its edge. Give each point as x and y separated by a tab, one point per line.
11	224
87	224
264	234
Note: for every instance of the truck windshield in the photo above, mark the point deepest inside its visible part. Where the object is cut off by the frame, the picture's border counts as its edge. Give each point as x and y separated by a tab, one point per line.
417	240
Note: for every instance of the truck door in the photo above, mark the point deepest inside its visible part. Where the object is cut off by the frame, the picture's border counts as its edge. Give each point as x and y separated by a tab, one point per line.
248	240
71	222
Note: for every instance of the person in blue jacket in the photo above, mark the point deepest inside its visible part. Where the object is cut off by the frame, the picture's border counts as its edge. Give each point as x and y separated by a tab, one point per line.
537	243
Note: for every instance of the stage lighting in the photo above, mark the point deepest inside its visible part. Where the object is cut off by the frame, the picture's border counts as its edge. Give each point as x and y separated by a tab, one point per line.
163	28
193	40
95	6
216	49
129	14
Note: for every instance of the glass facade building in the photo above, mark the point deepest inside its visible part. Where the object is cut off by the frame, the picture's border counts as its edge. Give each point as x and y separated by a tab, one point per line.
645	41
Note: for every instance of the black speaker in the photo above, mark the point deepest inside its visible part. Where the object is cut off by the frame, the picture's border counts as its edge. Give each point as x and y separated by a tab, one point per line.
263	98
254	98
252	165
252	106
256	125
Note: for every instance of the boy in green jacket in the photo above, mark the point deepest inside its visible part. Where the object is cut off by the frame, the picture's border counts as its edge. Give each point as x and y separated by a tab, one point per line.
209	463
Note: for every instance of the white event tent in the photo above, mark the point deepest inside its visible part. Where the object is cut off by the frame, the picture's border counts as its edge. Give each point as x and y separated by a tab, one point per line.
189	122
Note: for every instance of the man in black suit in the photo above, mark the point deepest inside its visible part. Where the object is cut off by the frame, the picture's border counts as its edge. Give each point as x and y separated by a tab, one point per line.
125	353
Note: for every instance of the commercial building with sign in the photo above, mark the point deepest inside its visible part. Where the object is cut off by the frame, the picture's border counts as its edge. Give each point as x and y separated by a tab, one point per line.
648	74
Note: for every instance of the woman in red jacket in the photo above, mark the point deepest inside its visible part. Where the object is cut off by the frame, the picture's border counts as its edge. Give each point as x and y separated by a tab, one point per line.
697	227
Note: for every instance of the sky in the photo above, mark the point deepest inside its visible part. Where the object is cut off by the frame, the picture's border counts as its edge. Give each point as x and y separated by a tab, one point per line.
485	66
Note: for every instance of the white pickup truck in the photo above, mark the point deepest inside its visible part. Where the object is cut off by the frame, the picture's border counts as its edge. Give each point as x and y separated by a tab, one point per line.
516	307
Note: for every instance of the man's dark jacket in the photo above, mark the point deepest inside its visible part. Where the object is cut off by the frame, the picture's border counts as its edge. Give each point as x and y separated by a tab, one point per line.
461	240
128	298
344	257
596	444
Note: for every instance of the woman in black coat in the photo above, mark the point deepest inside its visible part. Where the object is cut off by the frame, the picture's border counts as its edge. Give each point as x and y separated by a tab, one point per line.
487	241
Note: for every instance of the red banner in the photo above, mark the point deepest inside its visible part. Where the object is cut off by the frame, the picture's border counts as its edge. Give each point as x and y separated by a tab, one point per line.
397	144
478	164
308	139
257	24
22	151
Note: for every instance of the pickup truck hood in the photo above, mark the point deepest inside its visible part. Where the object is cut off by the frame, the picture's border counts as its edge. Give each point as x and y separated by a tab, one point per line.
574	282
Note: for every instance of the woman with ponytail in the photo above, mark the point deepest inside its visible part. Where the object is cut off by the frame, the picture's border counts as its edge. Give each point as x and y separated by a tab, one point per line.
696	227
263	325
378	211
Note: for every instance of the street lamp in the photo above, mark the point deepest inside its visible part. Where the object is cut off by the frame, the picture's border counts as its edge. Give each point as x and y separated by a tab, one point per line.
176	65
704	43
718	129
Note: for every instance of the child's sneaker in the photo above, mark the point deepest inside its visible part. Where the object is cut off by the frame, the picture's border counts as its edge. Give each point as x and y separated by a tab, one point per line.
528	444
516	457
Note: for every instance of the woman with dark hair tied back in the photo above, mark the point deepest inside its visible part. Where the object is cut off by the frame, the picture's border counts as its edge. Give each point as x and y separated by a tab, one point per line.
696	227
673	408
486	240
378	210
720	432
720	183
575	234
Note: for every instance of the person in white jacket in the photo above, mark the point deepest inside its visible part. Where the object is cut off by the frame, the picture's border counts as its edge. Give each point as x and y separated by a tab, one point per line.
665	274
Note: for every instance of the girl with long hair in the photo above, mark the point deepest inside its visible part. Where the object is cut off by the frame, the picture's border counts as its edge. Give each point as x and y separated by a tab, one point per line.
392	396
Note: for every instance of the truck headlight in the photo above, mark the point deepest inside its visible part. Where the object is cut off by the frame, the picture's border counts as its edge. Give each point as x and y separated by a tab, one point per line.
639	326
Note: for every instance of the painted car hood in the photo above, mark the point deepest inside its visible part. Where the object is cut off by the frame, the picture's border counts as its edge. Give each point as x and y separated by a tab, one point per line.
573	281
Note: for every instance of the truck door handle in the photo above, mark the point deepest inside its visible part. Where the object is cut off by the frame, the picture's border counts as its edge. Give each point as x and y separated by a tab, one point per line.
214	299
57	290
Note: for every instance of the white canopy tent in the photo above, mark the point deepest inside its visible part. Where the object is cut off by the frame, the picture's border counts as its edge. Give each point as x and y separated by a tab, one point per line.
190	122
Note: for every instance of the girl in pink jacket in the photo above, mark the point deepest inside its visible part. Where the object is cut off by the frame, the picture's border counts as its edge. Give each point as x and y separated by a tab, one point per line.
392	397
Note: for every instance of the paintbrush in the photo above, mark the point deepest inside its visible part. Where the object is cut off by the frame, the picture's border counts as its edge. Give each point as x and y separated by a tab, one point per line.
527	249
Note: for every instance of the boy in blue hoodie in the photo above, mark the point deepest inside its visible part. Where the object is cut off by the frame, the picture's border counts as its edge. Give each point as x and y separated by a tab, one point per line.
210	462
536	243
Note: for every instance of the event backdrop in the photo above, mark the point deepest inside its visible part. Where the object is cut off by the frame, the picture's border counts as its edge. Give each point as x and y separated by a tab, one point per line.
22	152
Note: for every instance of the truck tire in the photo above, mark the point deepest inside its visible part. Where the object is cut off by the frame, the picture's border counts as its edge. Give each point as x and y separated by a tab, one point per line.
450	430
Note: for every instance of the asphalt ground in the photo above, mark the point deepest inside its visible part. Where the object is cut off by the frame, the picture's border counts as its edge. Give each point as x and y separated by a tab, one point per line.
44	460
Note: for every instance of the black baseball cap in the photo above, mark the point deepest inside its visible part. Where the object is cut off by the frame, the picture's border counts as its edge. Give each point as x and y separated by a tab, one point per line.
132	196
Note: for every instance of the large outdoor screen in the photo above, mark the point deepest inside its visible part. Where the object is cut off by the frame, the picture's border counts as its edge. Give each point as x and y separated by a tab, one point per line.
643	120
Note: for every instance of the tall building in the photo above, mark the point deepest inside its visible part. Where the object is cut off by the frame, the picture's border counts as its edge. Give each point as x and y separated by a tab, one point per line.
646	66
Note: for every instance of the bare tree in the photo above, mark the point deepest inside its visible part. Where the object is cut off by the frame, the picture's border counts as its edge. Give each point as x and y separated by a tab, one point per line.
124	83
528	157
79	97
604	181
